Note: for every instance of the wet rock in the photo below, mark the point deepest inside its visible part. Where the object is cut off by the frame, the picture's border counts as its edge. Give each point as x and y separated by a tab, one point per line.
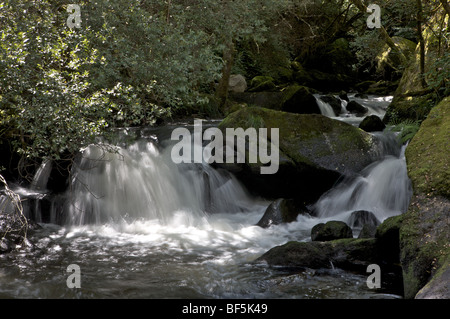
343	96
314	152
330	231
281	211
372	123
334	102
300	100
360	218
356	108
14	229
350	254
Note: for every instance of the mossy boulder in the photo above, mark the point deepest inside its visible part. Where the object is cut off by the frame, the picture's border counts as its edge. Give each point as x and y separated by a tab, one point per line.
331	230
428	153
424	234
262	83
315	151
424	241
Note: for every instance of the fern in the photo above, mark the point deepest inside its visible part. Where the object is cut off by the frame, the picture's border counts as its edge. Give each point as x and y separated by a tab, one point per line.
407	129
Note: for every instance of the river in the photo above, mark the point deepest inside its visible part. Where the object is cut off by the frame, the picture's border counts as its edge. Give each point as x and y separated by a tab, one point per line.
139	226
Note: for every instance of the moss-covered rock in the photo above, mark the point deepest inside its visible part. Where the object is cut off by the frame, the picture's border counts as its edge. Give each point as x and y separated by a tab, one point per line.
262	83
269	100
315	151
425	230
428	153
424	241
331	230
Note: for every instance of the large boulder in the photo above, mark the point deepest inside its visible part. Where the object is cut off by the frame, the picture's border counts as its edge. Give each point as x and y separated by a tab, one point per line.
330	231
314	152
424	233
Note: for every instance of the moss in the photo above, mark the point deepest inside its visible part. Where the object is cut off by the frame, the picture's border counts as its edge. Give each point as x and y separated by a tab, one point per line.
424	241
428	153
307	138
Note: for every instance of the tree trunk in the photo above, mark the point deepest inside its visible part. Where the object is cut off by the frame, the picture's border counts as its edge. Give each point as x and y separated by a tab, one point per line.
222	88
421	43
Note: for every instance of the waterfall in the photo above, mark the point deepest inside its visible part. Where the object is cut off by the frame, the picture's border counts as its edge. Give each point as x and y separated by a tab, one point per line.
141	182
382	188
325	108
40	179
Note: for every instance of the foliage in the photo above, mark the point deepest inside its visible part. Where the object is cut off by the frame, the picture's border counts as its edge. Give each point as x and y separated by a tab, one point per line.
439	74
406	129
130	63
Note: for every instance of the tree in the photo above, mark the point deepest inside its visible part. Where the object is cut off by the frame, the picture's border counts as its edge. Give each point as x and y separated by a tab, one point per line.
385	36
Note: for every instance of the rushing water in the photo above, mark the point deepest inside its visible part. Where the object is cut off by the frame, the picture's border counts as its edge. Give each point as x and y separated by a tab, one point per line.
140	226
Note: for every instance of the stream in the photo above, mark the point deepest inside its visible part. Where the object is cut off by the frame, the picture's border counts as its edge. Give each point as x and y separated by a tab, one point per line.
140	226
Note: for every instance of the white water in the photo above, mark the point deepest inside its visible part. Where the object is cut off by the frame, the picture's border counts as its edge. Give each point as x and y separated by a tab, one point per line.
383	188
140	226
376	105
